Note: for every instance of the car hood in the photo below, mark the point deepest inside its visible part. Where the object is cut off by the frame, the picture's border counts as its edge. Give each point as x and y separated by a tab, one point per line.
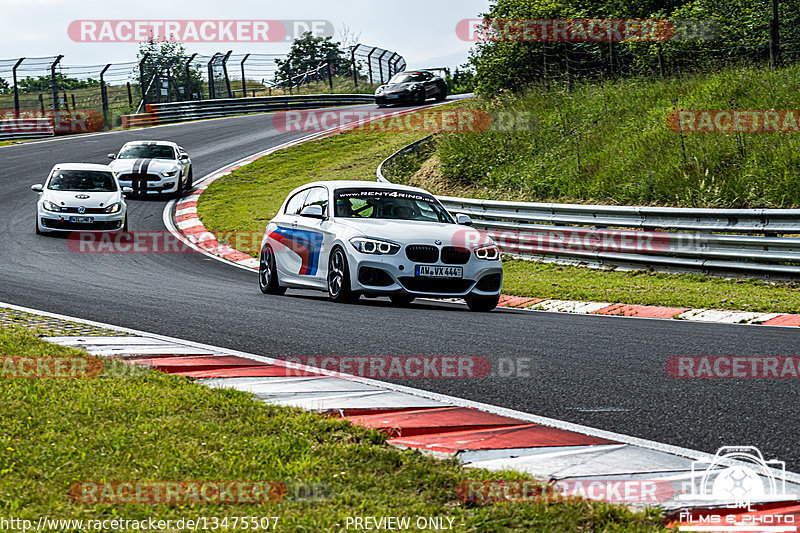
399	87
143	166
70	198
412	232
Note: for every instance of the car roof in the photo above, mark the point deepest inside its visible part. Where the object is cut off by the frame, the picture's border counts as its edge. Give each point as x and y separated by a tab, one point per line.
155	143
349	184
82	166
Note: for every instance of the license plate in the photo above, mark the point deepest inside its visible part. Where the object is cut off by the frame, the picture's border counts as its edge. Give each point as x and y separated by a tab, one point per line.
85	220
425	271
392	96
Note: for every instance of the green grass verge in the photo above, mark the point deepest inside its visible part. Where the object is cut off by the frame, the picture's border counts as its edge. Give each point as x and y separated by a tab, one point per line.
154	427
550	280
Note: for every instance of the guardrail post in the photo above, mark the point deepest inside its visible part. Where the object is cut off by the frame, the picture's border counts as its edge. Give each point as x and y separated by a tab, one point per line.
103	94
225	72
380	64
141	78
369	65
16	92
188	88
352	63
54	82
244	85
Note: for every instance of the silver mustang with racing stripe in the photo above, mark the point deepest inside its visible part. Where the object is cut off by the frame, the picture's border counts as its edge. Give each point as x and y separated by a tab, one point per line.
353	238
153	167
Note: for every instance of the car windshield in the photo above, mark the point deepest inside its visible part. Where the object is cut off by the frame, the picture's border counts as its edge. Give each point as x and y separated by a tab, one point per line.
82	180
407	77
146	151
389	204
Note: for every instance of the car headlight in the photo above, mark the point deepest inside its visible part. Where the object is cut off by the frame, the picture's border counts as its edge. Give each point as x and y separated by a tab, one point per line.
50	206
489	253
113	208
169	174
374	246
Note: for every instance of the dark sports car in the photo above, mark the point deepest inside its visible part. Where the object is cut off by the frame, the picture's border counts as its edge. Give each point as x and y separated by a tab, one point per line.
412	86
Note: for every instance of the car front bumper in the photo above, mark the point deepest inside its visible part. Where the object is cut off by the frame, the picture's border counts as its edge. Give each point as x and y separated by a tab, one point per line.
396	98
149	183
51	221
395	274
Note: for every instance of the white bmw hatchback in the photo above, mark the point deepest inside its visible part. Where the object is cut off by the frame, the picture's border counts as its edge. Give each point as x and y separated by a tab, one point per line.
353	238
81	197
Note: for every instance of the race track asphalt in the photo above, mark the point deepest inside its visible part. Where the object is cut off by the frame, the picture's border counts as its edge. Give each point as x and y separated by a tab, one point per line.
604	372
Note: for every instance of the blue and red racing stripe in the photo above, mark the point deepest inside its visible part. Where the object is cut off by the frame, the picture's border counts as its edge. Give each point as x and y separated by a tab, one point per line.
306	244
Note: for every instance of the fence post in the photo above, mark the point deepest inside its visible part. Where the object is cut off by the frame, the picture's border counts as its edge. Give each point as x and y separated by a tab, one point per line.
41	103
353	64
369	65
54	82
130	95
244	85
225	72
103	94
141	79
16	93
569	71
660	59
212	92
188	73
380	64
289	71
389	63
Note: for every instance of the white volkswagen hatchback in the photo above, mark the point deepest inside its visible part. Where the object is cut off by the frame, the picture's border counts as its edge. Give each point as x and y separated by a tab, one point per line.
81	197
354	238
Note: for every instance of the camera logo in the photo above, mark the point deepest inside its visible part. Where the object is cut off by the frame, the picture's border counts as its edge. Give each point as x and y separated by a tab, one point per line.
738	475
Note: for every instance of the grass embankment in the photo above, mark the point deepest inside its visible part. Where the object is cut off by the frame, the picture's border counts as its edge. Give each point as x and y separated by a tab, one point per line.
150	426
609	143
247	198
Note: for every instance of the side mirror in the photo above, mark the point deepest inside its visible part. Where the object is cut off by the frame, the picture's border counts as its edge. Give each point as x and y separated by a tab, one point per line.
127	190
312	211
463	219
112	156
37	188
184	157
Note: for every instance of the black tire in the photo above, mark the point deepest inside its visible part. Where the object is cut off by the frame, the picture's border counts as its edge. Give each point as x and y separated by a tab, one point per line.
401	299
422	97
125	224
268	273
189	180
482	304
339	289
38	231
442	94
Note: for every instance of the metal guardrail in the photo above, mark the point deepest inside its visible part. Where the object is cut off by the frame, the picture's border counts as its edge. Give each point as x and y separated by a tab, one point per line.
27	128
657	238
168	113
